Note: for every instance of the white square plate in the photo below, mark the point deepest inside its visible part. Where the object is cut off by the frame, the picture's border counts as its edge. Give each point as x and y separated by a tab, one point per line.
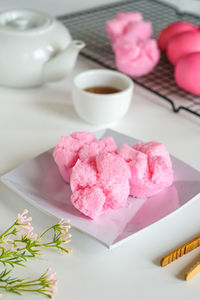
40	183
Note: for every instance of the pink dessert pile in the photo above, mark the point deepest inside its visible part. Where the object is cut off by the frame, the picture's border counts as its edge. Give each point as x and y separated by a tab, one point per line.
101	178
181	42
136	54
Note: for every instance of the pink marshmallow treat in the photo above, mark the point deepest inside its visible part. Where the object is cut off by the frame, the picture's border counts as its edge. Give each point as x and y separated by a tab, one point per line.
102	179
66	151
116	27
135	53
136	57
100	184
151	168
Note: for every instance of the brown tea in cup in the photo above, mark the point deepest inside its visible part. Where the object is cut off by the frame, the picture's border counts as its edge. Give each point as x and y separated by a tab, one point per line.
102	90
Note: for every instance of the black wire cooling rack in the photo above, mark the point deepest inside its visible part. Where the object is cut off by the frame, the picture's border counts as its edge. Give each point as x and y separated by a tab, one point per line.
88	25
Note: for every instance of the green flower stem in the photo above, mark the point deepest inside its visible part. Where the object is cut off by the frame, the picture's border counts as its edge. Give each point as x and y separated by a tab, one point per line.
24	289
45	284
48	229
7	230
18	243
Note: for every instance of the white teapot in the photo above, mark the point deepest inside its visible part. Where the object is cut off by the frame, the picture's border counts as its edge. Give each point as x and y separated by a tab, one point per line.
34	48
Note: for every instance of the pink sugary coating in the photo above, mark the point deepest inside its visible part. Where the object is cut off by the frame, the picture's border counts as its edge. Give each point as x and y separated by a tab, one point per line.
66	151
89	151
108	178
136	57
142	30
62	159
182	44
151	168
153	149
117	26
83	175
113	177
127	46
171	30
89	201
130	16
187	73
136	159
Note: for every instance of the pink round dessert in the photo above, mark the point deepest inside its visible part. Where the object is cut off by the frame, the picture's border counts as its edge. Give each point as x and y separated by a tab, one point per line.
182	44
187	73
150	166
66	151
100	184
171	30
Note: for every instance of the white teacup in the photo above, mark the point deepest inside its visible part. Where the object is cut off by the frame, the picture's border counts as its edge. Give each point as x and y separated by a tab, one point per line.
102	108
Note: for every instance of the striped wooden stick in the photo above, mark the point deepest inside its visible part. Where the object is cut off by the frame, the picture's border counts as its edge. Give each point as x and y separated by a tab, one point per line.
184	249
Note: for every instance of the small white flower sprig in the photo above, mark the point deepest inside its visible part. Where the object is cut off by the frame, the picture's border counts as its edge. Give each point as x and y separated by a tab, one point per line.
45	284
18	243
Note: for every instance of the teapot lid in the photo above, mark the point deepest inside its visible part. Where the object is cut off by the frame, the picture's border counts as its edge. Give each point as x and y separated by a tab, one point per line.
24	20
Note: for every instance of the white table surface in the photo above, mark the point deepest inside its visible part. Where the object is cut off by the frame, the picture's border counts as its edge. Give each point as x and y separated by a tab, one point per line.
32	120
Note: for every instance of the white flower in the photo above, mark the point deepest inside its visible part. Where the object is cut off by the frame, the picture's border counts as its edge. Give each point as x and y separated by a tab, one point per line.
64	222
23	219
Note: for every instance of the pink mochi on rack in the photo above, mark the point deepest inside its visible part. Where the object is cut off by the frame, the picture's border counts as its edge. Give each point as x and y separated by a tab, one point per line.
100	184
150	166
136	54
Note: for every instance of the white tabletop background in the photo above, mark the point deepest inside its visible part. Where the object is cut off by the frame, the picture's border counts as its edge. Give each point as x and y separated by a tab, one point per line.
32	120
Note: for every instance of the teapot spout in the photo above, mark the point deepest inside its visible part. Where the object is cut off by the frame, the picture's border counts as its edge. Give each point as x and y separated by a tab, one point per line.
62	63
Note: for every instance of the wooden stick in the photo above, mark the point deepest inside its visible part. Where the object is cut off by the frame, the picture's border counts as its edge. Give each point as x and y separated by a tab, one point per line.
184	249
193	271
